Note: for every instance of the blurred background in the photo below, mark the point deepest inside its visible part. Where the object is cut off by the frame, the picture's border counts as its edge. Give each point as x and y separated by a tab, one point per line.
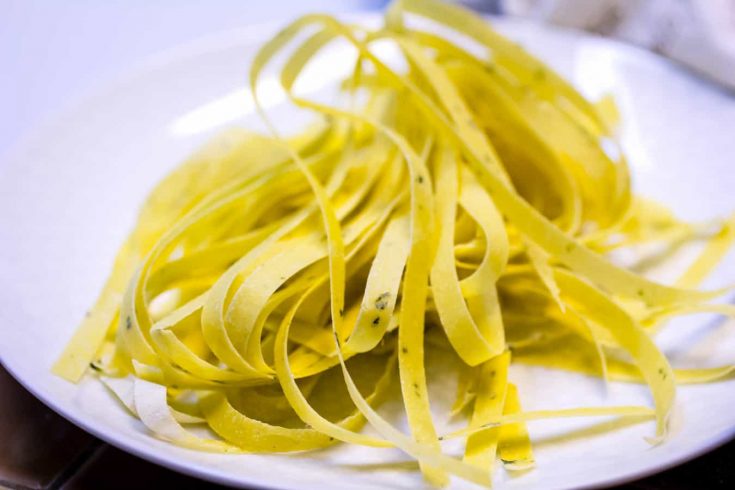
54	51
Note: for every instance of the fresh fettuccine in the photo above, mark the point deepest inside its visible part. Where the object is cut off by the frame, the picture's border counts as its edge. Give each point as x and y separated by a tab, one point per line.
275	286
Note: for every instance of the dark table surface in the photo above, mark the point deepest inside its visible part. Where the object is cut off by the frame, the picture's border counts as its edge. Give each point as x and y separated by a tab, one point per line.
41	450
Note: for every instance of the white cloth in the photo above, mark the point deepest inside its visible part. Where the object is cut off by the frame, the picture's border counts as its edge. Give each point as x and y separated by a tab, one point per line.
697	33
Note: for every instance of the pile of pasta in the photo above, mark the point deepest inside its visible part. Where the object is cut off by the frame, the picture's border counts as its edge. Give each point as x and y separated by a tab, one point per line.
275	287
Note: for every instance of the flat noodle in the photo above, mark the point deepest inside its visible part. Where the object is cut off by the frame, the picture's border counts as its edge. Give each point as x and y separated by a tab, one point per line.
490	401
274	288
514	446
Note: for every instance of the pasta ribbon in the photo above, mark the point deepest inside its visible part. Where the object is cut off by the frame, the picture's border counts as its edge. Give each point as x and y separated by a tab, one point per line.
275	286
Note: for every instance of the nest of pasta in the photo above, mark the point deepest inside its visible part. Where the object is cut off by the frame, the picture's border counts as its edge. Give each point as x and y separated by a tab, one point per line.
275	287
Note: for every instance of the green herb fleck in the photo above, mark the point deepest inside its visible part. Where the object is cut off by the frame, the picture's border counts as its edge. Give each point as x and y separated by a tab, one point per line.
382	301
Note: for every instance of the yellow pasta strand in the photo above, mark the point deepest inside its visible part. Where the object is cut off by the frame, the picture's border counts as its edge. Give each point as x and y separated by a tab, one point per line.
274	287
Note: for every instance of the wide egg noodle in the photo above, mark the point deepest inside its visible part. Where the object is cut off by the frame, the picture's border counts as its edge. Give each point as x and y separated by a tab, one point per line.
466	202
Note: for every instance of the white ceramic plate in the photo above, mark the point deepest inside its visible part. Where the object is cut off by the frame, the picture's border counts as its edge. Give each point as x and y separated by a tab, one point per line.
69	194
